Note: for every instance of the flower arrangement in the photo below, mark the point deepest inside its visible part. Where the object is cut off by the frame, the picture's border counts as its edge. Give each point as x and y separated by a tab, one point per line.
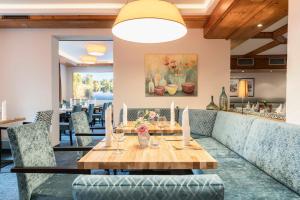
143	135
151	115
142	129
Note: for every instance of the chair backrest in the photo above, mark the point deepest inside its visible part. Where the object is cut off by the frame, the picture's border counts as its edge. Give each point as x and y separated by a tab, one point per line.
90	112
81	125
76	108
44	116
31	147
201	121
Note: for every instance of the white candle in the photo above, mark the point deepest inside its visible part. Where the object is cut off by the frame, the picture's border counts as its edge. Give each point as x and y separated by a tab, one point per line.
124	114
3	111
172	114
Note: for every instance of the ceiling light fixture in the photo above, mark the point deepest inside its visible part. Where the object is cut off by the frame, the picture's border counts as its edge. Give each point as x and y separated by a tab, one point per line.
149	21
96	49
260	25
87	59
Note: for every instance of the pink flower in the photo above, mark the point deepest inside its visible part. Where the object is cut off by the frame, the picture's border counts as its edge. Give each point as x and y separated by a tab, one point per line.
152	115
142	129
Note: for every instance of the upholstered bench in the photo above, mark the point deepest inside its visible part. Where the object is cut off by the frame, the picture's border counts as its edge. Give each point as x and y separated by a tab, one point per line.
258	158
136	187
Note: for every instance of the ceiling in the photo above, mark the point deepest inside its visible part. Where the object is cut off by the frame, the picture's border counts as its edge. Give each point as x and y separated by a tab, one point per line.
71	51
103	7
252	44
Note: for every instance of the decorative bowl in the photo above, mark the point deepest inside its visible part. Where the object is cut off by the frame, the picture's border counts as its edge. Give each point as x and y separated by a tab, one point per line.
188	88
172	89
160	90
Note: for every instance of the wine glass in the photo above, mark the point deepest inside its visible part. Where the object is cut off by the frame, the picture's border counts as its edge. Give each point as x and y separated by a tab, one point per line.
118	136
161	124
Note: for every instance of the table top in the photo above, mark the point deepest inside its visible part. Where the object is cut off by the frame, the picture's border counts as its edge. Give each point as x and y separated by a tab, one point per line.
153	128
170	155
8	121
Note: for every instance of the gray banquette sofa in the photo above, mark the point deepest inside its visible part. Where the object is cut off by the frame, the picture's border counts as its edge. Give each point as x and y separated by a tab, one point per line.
258	159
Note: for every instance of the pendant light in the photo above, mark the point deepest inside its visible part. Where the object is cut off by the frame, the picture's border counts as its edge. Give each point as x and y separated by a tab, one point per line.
96	49
149	21
87	59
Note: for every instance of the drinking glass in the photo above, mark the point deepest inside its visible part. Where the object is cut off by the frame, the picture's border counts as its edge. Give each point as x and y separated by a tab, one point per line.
140	114
162	120
118	137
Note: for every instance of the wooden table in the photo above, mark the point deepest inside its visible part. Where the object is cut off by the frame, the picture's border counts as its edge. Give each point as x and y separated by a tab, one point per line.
153	128
4	124
168	156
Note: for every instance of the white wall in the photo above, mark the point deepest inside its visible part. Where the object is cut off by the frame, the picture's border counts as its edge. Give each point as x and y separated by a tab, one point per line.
267	84
64	83
213	71
29	70
293	64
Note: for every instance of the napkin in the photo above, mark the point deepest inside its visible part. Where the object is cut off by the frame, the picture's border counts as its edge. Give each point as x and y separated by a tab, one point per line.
124	114
3	111
186	130
108	127
172	122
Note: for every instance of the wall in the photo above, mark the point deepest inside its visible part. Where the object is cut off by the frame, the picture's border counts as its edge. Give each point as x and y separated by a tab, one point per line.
267	84
29	73
64	82
293	63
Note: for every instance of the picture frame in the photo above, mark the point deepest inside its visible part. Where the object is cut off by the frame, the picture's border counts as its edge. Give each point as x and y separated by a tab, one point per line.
234	84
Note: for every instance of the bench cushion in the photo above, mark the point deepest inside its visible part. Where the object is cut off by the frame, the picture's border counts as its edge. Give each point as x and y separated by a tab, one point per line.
135	187
232	129
201	121
57	187
215	148
275	148
244	181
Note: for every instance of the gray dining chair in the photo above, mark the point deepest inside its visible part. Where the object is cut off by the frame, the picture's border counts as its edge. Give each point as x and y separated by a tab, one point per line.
34	159
43	116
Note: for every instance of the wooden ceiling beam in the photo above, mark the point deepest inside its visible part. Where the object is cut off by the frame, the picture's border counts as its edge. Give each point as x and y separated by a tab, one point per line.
238	19
80	21
264	48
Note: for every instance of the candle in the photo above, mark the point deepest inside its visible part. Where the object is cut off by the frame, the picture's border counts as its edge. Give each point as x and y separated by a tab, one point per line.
3	111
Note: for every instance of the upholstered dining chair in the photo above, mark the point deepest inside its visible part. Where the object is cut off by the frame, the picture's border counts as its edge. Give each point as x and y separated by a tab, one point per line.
90	113
83	132
34	158
43	116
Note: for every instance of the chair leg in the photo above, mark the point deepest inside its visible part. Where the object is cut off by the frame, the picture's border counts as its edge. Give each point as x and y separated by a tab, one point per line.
71	139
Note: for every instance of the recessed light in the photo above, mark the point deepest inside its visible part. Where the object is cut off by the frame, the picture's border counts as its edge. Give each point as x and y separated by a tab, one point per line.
271	71
260	25
243	71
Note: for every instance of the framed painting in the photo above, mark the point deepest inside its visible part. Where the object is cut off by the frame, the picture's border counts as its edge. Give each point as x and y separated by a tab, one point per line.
251	86
171	75
234	87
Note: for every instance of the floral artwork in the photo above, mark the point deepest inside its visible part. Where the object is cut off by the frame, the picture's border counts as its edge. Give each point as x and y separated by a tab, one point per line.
171	75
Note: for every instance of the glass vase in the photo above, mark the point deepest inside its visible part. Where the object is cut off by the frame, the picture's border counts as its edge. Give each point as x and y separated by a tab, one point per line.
223	101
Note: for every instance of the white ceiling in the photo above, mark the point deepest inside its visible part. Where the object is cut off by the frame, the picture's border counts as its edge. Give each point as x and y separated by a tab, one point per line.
252	44
72	50
103	7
